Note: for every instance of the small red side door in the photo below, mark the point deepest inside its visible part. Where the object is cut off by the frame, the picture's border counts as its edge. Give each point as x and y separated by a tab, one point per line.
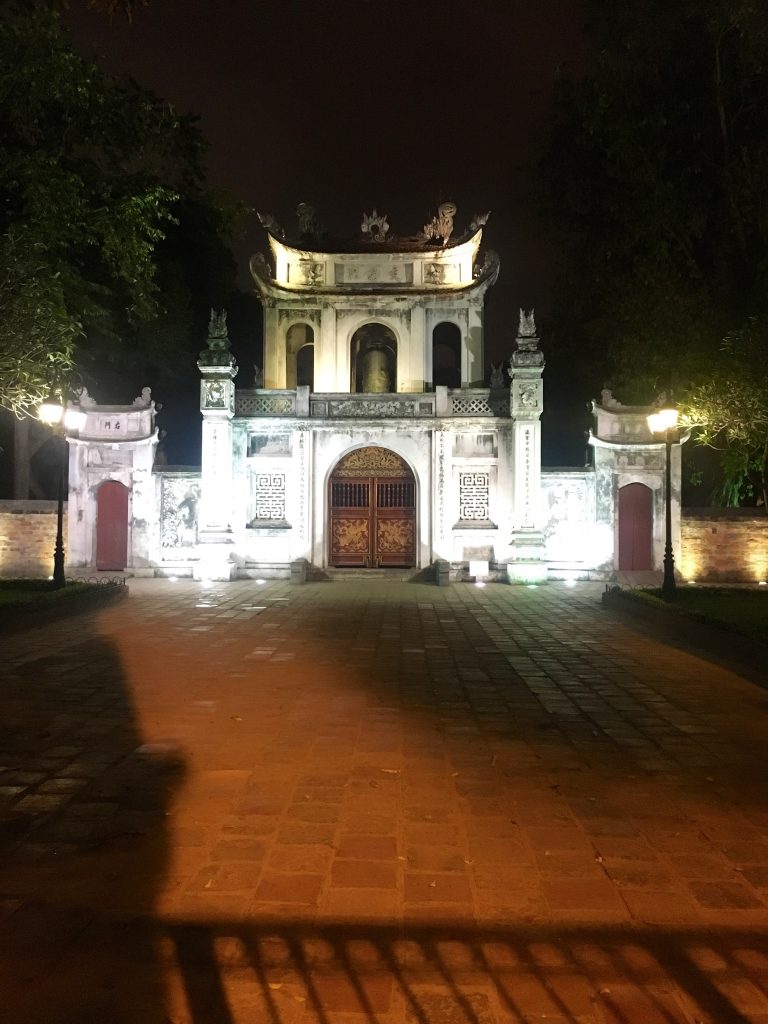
112	526
635	527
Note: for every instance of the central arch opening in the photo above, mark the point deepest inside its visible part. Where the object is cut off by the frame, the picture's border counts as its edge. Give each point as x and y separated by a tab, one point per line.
373	360
372	510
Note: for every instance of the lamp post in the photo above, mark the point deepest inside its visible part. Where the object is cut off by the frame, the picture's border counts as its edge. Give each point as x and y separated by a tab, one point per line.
665	422
61	418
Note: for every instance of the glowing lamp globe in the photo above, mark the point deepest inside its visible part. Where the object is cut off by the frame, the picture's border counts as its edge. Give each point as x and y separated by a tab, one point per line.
663	420
50	412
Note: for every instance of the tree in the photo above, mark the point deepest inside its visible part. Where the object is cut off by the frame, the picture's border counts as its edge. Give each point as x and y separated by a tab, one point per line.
729	411
655	174
99	183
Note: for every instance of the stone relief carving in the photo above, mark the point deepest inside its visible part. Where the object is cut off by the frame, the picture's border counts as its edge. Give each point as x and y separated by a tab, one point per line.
179	502
434	273
375	225
366	409
313	315
371	460
528	396
440	228
313	273
214	394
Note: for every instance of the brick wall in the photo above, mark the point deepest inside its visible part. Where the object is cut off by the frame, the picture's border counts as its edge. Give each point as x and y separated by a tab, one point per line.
28	537
725	545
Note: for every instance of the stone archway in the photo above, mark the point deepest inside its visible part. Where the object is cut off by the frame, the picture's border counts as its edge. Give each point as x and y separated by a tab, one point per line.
372	510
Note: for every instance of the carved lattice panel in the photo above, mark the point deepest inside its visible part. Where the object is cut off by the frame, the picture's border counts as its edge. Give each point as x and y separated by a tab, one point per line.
475	406
474	497
269	496
263	405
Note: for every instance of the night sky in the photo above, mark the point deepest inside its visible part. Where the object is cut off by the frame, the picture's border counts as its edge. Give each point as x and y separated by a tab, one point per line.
350	106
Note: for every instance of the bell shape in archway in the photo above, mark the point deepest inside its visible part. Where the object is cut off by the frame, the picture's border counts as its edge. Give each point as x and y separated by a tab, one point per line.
376	377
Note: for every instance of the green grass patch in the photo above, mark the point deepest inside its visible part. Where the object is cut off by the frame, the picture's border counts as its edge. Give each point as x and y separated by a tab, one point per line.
15	593
27	602
738	611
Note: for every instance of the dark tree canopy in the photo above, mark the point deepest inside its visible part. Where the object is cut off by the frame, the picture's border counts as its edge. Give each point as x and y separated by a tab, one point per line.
655	176
102	194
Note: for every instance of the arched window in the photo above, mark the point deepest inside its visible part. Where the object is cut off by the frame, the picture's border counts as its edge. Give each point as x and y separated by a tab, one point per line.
305	367
446	355
299	338
373	359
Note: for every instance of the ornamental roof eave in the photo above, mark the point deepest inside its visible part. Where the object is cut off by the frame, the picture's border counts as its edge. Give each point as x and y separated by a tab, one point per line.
268	288
393	247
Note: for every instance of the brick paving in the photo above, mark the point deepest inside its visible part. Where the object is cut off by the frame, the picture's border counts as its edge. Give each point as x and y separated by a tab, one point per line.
357	802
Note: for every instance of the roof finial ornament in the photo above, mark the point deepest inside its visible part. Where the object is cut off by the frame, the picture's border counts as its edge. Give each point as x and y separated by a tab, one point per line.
479	221
441	226
527	328
527	352
375	225
269	224
307	219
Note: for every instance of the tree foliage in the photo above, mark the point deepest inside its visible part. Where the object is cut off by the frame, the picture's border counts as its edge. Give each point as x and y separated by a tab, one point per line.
729	411
99	182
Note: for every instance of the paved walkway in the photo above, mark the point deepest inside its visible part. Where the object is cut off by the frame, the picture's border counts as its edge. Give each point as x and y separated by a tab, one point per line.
351	803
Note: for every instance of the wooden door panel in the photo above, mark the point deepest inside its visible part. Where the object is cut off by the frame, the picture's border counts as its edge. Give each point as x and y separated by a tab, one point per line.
395	537
350	537
635	528
112	526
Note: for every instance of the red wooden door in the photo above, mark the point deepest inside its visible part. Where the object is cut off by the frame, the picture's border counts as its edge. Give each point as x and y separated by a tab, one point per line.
112	526
635	527
372	511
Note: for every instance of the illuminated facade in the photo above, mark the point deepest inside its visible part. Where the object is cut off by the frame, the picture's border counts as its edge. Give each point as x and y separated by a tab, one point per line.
370	439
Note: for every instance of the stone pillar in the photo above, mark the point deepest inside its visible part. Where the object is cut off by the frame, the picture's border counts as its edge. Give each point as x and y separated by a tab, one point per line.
217	404
473	356
527	562
274	366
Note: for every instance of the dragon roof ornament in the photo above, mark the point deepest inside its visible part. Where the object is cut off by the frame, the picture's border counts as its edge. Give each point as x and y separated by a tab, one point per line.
441	226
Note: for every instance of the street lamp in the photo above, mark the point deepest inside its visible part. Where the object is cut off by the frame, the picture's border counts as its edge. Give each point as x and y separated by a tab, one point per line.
61	419
665	422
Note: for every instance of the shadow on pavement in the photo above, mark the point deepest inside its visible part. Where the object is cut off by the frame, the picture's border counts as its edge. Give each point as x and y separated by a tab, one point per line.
430	974
83	836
